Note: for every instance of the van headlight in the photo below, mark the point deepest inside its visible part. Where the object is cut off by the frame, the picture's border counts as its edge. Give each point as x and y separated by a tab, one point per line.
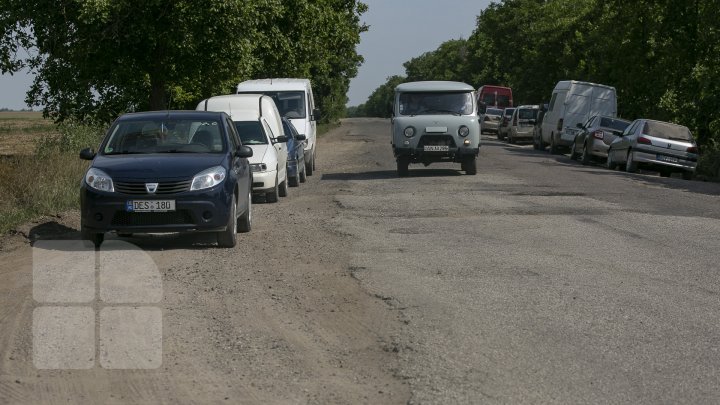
99	180
258	167
463	131
409	132
208	178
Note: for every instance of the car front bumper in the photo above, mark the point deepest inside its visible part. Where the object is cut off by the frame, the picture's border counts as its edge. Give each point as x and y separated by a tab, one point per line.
195	211
264	181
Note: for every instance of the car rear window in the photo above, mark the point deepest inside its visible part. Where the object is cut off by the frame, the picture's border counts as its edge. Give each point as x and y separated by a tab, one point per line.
494	111
527	114
614	123
509	111
667	131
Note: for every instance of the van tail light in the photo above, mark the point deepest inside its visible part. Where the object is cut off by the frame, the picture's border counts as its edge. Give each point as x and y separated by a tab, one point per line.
560	124
599	134
644	140
692	149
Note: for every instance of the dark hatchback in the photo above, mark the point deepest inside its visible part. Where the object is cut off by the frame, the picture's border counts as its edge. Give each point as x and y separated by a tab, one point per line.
165	172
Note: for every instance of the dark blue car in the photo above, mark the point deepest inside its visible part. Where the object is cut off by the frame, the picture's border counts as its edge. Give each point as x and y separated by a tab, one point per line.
171	171
296	154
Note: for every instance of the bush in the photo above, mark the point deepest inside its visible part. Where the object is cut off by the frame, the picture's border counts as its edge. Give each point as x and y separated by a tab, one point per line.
70	139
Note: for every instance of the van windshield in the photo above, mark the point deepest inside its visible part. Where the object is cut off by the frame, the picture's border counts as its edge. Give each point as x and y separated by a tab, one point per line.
433	103
251	132
291	104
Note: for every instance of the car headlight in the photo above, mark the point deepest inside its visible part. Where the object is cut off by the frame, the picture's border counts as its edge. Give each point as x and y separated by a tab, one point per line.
463	131
208	178
409	132
99	180
258	167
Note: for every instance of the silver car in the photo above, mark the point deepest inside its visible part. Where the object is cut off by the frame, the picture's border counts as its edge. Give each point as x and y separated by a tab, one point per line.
658	145
522	123
491	120
595	137
505	123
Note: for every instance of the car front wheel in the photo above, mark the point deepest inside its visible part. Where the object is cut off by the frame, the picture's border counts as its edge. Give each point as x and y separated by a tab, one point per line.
228	237
273	195
631	165
403	167
245	220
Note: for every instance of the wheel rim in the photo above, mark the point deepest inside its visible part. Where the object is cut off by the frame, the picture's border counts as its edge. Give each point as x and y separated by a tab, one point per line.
629	161
234	217
584	153
250	208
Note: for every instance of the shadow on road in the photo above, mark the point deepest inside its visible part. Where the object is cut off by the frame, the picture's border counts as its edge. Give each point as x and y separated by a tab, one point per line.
391	174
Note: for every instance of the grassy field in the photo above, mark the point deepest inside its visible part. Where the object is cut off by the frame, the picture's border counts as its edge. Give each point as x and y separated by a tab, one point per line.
32	184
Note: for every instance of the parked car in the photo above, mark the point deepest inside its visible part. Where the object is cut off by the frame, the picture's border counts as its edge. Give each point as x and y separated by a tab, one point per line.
505	123
595	137
258	122
170	171
537	128
435	121
656	145
491	120
522	123
296	154
494	97
294	99
574	102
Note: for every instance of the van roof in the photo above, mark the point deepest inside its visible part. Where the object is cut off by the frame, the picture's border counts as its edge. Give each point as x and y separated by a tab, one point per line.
565	84
239	107
492	86
275	84
433	86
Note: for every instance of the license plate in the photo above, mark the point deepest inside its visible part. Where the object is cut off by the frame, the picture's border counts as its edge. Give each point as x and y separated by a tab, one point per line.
150	205
669	159
436	148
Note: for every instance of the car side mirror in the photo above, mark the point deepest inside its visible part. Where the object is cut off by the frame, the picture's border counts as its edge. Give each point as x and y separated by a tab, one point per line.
281	139
244	151
87	154
301	137
316	114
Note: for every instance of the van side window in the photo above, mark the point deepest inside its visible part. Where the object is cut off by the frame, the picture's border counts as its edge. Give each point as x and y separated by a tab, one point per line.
552	102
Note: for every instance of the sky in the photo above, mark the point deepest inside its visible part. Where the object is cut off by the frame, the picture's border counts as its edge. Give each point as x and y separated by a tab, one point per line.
399	31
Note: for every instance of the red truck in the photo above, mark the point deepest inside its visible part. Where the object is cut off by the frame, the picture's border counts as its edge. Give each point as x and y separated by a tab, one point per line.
494	96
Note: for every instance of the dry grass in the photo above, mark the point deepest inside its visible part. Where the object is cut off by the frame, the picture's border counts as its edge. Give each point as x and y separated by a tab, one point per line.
32	184
20	131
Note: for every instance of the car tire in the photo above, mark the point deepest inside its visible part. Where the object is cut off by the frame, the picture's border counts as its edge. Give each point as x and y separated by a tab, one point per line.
585	156
665	173
96	238
510	139
470	166
687	175
274	195
283	189
310	165
536	143
244	223
573	154
303	174
403	167
611	165
295	180
553	145
631	165
228	237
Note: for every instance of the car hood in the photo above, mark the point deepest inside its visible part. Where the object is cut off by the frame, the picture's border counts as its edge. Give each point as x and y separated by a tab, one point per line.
259	153
156	166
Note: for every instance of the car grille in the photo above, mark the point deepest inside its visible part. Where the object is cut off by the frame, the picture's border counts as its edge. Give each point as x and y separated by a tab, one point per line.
167	188
445	140
122	218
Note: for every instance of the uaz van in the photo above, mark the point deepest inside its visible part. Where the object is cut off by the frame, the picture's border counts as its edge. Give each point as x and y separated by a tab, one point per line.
494	96
435	121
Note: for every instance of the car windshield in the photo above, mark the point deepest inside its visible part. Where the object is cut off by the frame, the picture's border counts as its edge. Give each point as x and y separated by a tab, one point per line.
164	135
432	103
494	111
667	131
251	132
527	114
613	123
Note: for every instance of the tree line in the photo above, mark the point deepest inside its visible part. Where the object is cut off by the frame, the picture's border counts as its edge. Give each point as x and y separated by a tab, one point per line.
96	59
662	56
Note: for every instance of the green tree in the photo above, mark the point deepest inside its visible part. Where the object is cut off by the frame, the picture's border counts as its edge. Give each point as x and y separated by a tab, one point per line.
380	102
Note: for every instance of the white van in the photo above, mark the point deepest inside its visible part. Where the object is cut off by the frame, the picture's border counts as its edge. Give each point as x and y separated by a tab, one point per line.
259	125
572	103
294	99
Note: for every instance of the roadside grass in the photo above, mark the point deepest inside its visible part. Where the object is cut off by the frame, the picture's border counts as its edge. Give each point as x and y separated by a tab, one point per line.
322	129
40	171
